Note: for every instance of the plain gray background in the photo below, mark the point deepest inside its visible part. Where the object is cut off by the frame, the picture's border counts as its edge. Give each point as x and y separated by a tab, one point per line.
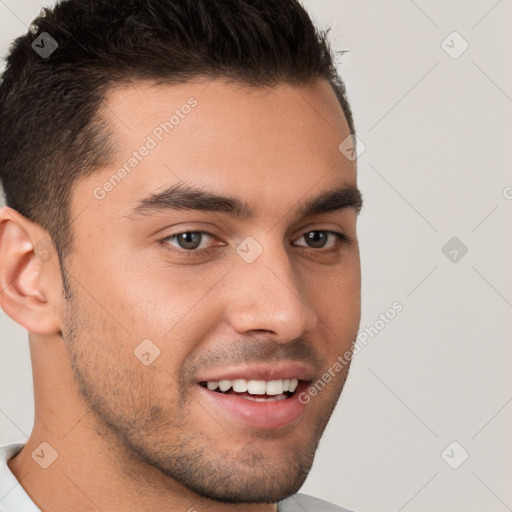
437	129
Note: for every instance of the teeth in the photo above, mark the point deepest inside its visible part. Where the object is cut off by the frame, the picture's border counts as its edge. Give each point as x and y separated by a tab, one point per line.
293	385
260	399
224	385
274	387
256	387
240	385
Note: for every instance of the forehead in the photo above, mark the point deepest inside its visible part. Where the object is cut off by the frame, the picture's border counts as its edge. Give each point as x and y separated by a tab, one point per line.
265	144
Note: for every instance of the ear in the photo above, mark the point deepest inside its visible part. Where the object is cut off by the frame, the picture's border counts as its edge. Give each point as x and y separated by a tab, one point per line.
30	279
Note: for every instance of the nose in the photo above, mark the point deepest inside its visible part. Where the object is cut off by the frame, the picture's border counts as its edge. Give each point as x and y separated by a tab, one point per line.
266	295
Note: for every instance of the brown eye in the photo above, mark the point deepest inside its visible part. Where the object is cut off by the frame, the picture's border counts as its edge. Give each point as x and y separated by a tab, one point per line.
318	239
188	240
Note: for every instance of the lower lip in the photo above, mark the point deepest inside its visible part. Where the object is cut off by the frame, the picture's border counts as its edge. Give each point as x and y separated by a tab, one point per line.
264	415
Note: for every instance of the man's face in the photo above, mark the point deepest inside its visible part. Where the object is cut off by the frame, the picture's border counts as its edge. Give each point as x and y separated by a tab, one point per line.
274	296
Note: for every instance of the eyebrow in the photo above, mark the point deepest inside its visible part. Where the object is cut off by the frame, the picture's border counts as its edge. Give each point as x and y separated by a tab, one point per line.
181	197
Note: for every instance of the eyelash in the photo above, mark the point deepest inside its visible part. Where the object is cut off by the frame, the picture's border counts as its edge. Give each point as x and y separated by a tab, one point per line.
341	239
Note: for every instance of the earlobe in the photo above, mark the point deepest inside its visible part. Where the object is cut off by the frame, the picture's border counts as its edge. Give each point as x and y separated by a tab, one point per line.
29	283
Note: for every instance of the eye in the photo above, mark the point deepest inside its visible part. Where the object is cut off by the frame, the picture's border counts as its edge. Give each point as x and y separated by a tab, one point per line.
189	241
193	243
317	239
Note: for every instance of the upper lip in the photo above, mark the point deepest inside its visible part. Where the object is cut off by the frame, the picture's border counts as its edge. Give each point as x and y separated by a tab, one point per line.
275	371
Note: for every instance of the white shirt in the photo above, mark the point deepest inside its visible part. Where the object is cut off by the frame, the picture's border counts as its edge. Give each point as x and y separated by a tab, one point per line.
13	497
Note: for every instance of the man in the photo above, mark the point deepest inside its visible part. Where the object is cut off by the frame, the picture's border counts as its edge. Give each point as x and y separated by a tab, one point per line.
180	243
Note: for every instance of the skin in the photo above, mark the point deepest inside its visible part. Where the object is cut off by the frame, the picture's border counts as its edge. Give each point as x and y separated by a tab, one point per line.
135	437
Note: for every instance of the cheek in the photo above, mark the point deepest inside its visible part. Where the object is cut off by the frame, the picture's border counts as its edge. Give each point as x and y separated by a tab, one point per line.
146	295
133	311
334	286
166	305
335	296
117	369
168	313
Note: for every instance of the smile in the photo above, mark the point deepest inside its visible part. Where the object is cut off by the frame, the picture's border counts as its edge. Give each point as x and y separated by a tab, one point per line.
255	390
256	403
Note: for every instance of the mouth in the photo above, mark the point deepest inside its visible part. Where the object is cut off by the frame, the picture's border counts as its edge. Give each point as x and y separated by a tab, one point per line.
256	403
255	390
